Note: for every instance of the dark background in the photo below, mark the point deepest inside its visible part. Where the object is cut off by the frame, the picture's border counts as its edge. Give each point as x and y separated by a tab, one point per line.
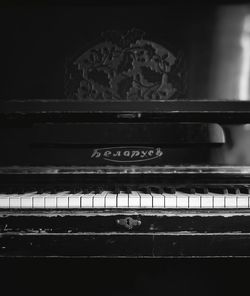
37	39
125	277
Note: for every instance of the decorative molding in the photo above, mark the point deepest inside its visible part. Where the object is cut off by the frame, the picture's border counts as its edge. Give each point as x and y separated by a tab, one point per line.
125	67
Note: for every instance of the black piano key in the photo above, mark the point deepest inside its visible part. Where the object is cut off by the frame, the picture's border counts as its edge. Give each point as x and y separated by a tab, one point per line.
116	190
128	189
201	190
218	190
244	189
145	190
75	189
20	190
98	190
158	190
230	190
187	190
86	190
154	189
54	190
170	190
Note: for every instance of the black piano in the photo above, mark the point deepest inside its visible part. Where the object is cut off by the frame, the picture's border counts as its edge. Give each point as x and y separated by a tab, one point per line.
125	179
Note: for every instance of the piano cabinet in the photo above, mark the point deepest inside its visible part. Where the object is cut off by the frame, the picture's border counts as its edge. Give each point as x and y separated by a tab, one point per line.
165	179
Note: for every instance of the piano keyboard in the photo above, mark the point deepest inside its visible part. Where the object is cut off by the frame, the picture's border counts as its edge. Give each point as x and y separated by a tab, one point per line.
133	199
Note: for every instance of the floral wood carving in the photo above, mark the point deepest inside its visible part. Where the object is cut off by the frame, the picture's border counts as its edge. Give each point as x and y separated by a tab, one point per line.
125	67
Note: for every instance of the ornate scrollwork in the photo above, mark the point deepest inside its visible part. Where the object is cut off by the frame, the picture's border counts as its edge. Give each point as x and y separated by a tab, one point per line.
125	67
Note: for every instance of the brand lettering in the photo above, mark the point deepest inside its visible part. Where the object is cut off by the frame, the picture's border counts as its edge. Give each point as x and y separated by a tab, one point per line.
95	154
127	154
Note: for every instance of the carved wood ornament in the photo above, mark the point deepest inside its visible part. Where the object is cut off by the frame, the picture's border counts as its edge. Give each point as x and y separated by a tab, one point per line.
125	67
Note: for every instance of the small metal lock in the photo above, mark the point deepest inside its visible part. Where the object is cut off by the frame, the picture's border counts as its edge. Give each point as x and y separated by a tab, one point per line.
128	222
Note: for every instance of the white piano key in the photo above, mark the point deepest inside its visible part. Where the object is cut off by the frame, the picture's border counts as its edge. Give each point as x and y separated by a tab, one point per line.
219	201
99	200
230	201
146	200
158	200
194	201
4	201
122	200
38	201
206	201
242	201
15	201
26	201
50	201
62	199
110	200
134	199
170	201
182	201
87	200
62	202
74	201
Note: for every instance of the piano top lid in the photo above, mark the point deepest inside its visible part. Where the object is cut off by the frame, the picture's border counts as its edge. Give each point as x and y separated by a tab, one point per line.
90	106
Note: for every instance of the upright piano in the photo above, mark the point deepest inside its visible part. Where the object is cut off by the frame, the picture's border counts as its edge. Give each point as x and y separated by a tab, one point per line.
125	179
